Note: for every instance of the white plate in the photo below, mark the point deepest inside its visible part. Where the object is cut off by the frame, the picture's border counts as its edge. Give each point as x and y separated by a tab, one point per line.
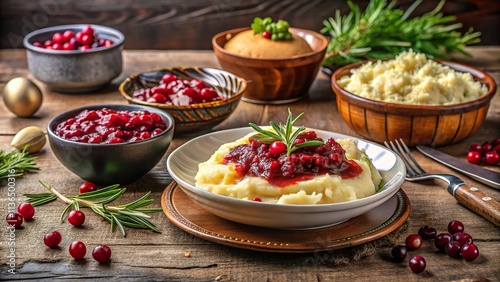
182	165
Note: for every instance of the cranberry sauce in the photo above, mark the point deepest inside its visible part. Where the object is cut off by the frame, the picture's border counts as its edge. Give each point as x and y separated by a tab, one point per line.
256	159
107	126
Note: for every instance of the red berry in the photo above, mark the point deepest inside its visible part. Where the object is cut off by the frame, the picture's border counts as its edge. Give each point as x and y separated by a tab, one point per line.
68	46
52	239
486	147
87	30
257	200
57	46
48	43
102	254
427	232
68	34
462	238
76	217
87	187
14	219
87	39
417	264
26	210
78	36
108	43
475	148
455	226
77	250
441	240
37	44
399	253
277	148
452	249
492	157
474	157
266	34
413	242
167	78
469	252
58	38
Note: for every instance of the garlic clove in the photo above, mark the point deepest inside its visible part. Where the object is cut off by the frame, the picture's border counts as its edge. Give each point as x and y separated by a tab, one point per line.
32	136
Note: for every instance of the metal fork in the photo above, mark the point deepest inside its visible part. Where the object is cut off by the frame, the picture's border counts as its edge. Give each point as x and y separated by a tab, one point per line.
467	195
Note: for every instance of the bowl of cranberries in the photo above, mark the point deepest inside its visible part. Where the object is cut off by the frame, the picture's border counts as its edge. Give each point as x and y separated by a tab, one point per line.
75	58
107	144
197	98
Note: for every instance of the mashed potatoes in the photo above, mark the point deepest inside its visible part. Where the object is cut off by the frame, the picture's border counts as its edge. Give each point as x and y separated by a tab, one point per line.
248	44
411	78
216	177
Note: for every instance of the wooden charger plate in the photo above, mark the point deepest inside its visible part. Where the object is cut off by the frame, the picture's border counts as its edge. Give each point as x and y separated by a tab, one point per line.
188	216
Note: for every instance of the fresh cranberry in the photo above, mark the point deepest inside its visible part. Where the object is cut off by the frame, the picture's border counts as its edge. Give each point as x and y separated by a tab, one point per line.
474	157
496	148
413	242
87	187
486	147
58	38
77	250
277	148
462	238
441	240
87	39
455	226
492	157
257	200
108	43
88	30
427	232
84	48
52	239
14	219
102	254
68	35
26	210
37	44
57	46
399	253
47	43
452	249
266	34
157	98
475	148
417	264
469	252
76	217
167	78
69	46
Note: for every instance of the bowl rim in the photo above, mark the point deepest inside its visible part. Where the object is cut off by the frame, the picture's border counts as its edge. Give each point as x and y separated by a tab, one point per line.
115	32
401	108
295	30
72	112
196	106
378	196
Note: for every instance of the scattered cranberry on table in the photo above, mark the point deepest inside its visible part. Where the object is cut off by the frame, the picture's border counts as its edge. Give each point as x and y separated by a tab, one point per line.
14	219
107	126
427	232
26	210
413	242
52	239
452	249
462	238
77	250
469	252
441	240
417	264
399	253
455	226
489	151
172	90
76	218
87	187
83	40
102	254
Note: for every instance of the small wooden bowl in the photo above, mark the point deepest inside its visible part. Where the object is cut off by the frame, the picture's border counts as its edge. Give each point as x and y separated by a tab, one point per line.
415	124
273	81
194	118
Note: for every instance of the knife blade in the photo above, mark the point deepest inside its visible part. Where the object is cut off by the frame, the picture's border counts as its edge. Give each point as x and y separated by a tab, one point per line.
486	176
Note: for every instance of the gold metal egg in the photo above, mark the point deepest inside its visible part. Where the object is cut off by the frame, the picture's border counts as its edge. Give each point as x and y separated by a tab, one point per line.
22	97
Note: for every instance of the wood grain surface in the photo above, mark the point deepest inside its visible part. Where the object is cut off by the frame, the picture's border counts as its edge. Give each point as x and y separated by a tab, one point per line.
175	255
181	24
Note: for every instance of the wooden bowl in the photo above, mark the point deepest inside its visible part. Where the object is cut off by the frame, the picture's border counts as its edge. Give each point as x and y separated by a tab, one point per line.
273	81
197	117
415	124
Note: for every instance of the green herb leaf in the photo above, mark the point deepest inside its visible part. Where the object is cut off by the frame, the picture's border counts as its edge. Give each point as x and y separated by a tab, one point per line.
278	30
15	163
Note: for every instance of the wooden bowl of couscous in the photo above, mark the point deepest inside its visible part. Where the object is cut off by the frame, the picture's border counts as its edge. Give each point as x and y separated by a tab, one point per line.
422	101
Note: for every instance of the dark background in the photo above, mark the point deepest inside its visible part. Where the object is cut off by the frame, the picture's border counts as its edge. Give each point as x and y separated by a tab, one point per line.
190	24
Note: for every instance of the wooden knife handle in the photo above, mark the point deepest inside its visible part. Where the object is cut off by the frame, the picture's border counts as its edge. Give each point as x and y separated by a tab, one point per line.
479	202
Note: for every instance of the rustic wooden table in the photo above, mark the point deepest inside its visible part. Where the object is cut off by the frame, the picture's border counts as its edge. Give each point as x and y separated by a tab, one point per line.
148	256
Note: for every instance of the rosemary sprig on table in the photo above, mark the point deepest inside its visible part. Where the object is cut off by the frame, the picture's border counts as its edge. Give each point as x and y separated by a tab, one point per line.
15	163
382	31
285	134
130	215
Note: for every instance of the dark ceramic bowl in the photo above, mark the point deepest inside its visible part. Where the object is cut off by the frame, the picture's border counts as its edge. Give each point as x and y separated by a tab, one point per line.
197	117
75	71
274	81
106	164
416	124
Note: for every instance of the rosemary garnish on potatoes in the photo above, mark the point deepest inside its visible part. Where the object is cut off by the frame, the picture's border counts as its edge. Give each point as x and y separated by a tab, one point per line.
284	133
131	215
382	31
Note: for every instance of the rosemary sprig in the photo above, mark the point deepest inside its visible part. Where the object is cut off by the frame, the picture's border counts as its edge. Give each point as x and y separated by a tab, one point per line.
382	31
132	215
285	134
15	163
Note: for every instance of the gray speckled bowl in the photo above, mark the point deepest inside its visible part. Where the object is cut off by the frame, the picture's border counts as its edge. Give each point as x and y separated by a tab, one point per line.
106	164
75	71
